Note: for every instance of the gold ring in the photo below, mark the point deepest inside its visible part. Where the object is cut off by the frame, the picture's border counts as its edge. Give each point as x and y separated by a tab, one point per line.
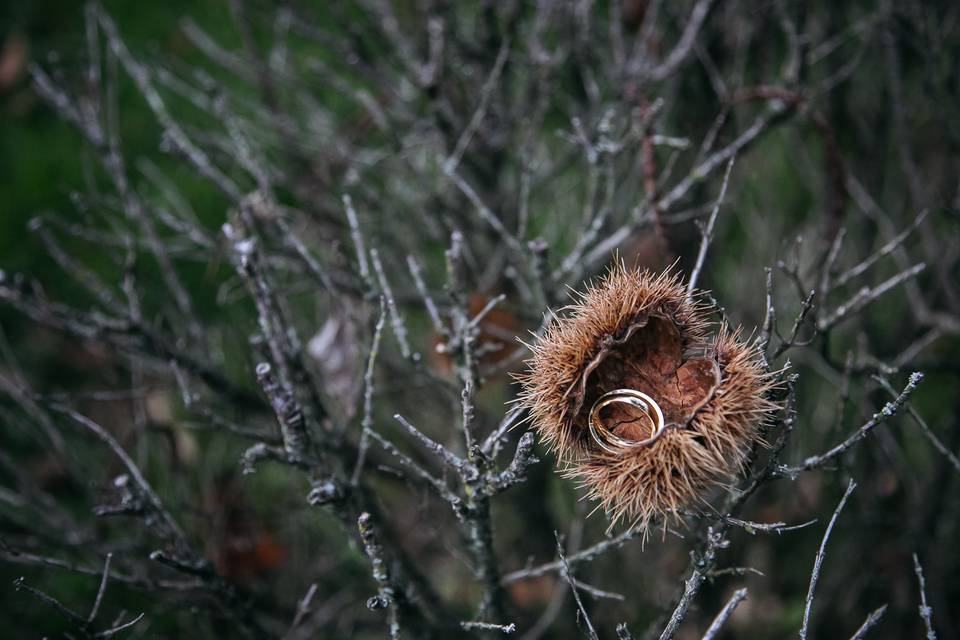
613	443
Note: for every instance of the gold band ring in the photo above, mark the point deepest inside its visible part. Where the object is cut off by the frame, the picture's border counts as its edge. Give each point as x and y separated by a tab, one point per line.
613	443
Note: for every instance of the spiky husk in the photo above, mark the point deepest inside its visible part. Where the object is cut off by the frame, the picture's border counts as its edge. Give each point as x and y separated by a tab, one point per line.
707	445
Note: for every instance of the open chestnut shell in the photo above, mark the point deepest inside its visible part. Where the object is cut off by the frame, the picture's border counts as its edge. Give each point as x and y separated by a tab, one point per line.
641	331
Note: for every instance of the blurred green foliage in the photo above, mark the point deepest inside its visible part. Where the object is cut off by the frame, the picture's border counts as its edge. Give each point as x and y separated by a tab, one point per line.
42	160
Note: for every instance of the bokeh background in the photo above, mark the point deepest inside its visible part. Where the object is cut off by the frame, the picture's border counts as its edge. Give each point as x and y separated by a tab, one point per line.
881	87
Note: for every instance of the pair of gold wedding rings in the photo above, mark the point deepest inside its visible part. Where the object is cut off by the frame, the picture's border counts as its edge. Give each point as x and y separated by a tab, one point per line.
610	442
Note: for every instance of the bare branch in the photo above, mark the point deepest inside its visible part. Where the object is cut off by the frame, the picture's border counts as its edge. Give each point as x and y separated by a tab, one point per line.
869	623
451	163
681	51
738	596
417	273
439	485
171	527
357	237
72	616
289	414
441	451
701	564
516	472
889	410
367	421
926	611
586	555
303	606
866	295
568	576
505	629
107	633
885	250
927	431
396	319
172	131
707	231
103	588
818	559
386	591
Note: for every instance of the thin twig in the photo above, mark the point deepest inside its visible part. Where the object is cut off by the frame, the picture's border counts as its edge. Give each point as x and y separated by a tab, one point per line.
173	529
417	273
770	316
889	410
927	431
367	422
66	611
396	319
766	527
491	445
818	559
107	633
701	564
387	594
586	555
706	232
681	51
439	485
357	236
885	250
303	606
787	343
866	295
926	611
738	596
451	163
568	576
435	447
869	623
516	471
101	590
505	629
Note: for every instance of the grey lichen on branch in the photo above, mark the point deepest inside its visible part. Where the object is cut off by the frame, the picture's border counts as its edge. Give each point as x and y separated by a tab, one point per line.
388	597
